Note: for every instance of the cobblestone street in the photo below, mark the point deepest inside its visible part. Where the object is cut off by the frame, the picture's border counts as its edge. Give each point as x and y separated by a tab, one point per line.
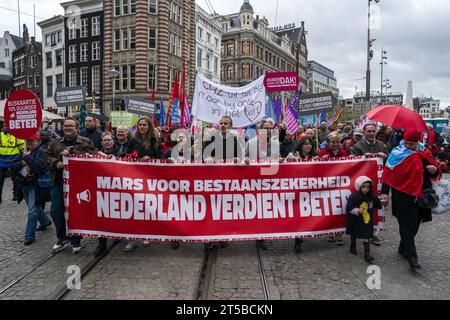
321	271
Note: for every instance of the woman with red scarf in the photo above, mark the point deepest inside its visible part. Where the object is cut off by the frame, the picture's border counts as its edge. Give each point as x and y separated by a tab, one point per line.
409	170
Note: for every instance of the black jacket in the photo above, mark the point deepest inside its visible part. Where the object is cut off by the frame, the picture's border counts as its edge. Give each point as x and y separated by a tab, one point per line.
95	136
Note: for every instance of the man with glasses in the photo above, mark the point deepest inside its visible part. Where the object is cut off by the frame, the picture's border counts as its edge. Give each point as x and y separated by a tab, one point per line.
370	146
70	143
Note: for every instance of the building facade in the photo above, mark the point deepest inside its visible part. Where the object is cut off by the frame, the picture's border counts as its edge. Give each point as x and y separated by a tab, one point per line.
53	61
27	65
147	42
429	108
209	40
83	52
358	106
250	48
8	44
321	79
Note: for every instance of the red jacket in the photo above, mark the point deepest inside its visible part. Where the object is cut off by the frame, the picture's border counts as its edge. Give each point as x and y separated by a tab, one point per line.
327	151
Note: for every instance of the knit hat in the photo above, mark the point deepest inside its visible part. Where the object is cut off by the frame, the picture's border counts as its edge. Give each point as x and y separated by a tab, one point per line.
360	181
411	135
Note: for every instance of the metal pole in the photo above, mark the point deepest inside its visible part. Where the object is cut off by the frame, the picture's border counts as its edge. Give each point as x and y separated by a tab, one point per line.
368	58
382	65
18	14
34	19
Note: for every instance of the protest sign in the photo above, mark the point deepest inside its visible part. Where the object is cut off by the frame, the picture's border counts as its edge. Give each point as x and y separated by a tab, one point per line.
316	103
70	96
23	114
122	118
130	199
245	105
281	81
139	106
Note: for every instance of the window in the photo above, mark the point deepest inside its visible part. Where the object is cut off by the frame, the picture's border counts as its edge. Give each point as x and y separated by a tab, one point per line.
95	26
117	79
95	79
37	80
175	12
200	33
117	6
172	73
152	6
246	47
117	40
208	37
199	57
152	37
72	54
59	36
73	77
59	57
49	86
132	76
125	39
124	77
83	52
216	65
96	50
230	71
216	43
208	62
53	39
84	76
230	49
30	81
48	41
72	32
48	59
124	7
175	44
84	28
151	76
132	38
133	6
32	61
246	71
59	81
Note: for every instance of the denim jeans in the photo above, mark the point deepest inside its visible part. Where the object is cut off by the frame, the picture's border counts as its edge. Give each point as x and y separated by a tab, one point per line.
57	213
35	213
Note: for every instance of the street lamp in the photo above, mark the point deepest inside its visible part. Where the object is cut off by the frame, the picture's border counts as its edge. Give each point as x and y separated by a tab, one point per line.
113	73
369	55
383	57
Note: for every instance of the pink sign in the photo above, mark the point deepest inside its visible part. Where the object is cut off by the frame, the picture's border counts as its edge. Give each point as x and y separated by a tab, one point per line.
281	81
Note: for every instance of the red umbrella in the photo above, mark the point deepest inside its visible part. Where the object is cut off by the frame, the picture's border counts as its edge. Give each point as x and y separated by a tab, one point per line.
398	117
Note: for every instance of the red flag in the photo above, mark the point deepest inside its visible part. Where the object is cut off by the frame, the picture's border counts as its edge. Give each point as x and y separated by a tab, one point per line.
110	128
153	95
173	94
182	94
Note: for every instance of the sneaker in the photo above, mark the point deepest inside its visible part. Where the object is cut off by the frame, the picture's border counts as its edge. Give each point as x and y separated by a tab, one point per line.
175	245
76	250
261	244
209	246
146	243
43	228
27	242
60	245
376	240
130	246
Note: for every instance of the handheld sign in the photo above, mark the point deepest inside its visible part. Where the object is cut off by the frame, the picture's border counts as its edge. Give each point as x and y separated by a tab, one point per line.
23	114
281	81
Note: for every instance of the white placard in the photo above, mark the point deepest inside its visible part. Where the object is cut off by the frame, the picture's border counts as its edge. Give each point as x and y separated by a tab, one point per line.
245	105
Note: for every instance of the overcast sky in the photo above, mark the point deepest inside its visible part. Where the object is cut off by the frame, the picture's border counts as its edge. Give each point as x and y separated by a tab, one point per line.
415	34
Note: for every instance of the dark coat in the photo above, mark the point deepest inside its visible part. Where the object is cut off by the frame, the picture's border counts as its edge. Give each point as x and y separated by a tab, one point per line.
95	136
355	224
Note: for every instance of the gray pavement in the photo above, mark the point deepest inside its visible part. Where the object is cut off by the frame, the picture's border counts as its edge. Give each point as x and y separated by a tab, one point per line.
321	271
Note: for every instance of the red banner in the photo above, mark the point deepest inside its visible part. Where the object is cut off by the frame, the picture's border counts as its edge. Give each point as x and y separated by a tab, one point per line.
23	114
119	198
281	81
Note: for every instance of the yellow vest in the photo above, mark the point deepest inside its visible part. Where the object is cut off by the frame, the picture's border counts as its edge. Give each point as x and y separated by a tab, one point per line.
9	145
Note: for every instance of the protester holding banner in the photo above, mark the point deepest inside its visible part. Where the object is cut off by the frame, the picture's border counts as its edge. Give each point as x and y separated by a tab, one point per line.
408	172
108	148
346	143
304	150
287	144
181	152
148	146
125	143
34	180
360	206
333	149
10	148
72	142
91	132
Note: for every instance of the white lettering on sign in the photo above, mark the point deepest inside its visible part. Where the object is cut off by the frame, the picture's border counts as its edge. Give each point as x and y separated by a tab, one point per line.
23	124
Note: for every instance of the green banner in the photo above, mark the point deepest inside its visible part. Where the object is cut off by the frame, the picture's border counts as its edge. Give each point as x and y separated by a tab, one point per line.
123	118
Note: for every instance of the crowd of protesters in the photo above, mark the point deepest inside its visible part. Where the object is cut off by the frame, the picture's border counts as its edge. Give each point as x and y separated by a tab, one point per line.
36	166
